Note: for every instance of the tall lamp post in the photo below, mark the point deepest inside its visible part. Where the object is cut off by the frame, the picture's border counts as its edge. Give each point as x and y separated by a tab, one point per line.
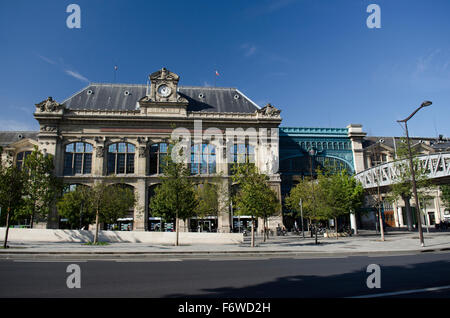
413	174
312	152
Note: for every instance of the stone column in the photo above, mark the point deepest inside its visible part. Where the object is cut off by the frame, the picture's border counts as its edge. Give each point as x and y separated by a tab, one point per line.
223	220
353	224
98	159
184	225
49	144
141	159
400	216
356	135
140	217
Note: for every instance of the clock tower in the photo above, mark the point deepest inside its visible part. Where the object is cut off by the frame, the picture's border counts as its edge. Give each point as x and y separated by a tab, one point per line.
163	97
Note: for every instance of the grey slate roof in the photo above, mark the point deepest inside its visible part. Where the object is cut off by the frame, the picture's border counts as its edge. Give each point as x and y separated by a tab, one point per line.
205	99
8	137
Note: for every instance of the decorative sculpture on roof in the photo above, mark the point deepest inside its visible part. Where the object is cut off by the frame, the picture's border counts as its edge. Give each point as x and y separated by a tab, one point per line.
269	110
49	105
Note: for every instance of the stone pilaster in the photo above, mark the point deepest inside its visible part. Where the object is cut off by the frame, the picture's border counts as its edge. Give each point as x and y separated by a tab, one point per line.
356	135
140	211
224	217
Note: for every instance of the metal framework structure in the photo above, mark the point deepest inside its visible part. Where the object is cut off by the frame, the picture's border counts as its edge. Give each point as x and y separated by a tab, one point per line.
436	165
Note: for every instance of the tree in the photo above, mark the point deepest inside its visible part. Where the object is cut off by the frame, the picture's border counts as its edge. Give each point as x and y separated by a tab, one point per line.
12	182
41	185
208	200
403	187
342	193
445	195
74	206
254	197
108	202
175	197
313	203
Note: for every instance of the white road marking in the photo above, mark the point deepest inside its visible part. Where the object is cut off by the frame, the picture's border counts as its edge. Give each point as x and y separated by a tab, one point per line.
147	260
48	261
404	292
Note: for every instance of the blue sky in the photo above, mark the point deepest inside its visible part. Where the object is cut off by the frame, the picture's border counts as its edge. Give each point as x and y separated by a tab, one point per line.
314	59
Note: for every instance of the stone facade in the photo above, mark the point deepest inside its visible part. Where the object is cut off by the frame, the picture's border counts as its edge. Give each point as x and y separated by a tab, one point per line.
102	115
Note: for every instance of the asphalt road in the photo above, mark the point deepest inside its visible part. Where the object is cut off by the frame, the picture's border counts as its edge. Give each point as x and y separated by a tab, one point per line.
229	277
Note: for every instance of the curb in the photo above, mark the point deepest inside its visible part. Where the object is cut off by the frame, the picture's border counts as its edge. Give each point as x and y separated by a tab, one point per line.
213	253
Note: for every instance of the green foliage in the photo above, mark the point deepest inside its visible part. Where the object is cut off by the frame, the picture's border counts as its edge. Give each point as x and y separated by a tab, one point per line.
74	206
445	195
341	193
110	201
310	194
12	188
41	186
176	196
254	197
208	200
403	187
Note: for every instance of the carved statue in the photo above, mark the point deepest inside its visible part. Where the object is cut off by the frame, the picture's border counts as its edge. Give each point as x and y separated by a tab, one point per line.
269	110
49	105
142	151
48	128
99	151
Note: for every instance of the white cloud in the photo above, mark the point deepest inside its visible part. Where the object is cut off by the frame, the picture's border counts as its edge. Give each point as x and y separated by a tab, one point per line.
66	68
46	59
76	75
249	49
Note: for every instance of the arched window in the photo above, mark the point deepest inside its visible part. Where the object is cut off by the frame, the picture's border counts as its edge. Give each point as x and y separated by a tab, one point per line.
325	146
303	145
77	158
330	145
20	158
203	159
158	154
121	158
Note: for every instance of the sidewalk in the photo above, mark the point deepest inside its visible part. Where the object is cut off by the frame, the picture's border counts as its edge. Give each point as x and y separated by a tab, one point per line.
365	243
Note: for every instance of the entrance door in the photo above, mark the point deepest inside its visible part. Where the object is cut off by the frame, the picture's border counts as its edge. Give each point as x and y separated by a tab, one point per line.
431	218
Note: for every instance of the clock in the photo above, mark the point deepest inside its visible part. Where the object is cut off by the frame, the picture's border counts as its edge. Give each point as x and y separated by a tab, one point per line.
164	90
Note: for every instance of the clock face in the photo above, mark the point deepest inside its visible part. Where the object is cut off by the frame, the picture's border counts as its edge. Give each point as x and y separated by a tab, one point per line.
164	90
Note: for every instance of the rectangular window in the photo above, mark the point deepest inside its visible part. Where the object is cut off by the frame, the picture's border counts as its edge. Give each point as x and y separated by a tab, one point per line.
68	164
87	163
153	162
111	163
78	162
120	163
130	163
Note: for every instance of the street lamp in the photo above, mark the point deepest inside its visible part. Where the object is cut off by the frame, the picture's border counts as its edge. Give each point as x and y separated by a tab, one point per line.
312	152
413	175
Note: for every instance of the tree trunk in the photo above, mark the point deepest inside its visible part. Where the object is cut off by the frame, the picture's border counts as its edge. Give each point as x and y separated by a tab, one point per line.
177	229
336	227
96	226
7	228
408	213
315	230
310	228
32	219
253	232
264	229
